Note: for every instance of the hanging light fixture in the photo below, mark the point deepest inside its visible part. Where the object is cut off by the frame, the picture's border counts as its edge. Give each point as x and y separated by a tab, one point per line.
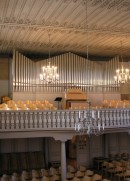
122	74
89	121
49	73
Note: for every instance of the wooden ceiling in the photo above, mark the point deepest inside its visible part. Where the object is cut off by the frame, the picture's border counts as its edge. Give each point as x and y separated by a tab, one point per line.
25	25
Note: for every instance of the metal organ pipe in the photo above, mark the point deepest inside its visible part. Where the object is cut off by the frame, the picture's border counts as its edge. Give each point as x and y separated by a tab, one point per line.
73	70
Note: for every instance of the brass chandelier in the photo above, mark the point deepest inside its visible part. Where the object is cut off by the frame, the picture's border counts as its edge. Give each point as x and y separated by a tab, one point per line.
49	73
89	122
122	75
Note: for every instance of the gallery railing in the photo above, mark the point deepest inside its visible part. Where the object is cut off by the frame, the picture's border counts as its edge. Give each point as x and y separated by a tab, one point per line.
60	119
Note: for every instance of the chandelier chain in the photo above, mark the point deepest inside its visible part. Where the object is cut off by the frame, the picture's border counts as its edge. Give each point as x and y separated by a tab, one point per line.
49	46
121	54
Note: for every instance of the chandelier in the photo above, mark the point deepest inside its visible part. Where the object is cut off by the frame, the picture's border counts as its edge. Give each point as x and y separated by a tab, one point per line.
49	73
122	75
90	122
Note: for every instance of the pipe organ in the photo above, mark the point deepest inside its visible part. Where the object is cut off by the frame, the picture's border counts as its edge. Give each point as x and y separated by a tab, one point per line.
23	70
74	71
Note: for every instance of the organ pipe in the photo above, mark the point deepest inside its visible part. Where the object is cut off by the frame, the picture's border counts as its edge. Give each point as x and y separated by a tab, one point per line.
73	71
23	72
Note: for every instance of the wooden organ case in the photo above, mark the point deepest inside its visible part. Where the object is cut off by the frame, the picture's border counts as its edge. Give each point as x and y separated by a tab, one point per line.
75	98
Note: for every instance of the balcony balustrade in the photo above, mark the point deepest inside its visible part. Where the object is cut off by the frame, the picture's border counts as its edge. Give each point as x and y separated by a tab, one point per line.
62	120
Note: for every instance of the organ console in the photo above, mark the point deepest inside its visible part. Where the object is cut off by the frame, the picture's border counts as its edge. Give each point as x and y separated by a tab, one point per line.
75	97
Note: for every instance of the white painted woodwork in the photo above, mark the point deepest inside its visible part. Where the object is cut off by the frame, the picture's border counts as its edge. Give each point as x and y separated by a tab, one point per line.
63	161
62	120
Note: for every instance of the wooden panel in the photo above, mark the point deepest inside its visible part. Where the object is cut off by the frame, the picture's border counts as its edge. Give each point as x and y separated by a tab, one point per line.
83	152
118	143
6	146
54	150
123	143
21	145
96	147
113	143
4	77
4	69
38	142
